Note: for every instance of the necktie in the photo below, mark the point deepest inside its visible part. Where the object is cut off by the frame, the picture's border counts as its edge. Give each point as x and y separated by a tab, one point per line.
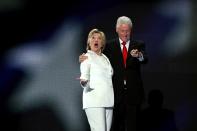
124	53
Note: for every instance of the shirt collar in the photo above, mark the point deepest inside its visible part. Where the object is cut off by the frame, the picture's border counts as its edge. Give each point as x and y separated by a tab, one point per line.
122	41
127	43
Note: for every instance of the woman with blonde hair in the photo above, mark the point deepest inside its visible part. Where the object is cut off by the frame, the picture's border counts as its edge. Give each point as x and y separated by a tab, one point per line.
96	80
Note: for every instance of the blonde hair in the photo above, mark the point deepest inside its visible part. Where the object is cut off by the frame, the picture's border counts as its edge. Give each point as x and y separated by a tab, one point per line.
103	38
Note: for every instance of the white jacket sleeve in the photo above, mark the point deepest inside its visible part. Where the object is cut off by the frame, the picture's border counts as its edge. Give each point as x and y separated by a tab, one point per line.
85	71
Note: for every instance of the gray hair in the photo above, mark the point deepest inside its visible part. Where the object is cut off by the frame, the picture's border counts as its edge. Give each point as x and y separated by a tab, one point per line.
123	20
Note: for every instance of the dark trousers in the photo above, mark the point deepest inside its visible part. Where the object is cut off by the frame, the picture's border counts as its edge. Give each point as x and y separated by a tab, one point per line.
125	115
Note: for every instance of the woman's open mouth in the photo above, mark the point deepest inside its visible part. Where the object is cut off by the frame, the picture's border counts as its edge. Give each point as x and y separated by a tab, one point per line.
96	45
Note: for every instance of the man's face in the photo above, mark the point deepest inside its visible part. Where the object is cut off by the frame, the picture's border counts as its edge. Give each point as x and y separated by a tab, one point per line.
124	31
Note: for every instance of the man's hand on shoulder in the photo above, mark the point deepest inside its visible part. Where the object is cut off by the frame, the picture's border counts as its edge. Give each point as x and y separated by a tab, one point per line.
82	57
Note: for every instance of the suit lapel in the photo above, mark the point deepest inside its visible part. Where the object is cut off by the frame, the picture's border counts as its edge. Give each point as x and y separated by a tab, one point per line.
119	53
130	47
132	43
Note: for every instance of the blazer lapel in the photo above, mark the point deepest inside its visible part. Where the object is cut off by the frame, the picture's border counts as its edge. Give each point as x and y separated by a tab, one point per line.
119	53
130	47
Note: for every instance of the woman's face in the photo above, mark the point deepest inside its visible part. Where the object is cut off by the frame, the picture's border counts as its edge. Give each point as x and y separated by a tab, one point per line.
95	42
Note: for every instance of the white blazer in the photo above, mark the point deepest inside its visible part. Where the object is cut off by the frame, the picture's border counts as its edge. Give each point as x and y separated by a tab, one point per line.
98	92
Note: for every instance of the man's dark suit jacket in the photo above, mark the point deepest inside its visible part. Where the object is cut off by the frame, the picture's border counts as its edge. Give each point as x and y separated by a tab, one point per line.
132	73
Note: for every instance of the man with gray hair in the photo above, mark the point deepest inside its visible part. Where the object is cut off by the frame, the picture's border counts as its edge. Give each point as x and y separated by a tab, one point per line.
126	56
